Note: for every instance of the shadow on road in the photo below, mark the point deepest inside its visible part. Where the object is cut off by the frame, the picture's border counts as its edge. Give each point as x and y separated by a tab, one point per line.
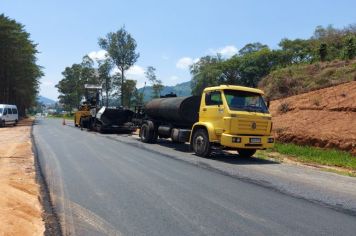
238	160
217	154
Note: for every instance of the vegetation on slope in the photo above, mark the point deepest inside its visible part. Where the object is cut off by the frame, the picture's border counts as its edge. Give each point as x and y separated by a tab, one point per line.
303	78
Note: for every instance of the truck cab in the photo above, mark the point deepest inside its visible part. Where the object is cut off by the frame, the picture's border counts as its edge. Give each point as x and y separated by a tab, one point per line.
232	117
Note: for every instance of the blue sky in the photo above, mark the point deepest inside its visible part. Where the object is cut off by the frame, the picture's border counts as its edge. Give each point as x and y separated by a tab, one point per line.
170	34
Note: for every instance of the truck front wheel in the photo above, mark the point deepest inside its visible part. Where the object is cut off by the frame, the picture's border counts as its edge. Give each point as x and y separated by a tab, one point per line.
201	144
247	153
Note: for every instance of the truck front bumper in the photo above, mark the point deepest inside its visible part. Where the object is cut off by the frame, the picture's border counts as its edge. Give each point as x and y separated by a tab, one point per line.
247	141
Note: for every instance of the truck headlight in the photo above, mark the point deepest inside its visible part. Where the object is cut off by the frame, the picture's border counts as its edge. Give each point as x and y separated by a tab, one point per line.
236	139
270	140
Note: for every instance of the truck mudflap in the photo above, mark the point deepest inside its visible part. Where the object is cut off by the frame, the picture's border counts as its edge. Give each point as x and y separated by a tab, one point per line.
247	141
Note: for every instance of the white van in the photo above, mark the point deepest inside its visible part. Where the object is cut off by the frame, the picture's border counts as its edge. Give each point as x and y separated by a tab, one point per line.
8	115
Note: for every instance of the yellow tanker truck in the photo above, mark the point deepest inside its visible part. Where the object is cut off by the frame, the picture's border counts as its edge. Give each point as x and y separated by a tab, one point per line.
225	116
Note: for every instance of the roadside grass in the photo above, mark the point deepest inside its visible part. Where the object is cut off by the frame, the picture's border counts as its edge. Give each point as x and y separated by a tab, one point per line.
312	155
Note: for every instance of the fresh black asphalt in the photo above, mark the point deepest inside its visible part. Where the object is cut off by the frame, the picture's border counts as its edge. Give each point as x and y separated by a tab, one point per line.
101	186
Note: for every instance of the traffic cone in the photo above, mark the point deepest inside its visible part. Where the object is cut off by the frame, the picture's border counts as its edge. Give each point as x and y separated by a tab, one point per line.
64	121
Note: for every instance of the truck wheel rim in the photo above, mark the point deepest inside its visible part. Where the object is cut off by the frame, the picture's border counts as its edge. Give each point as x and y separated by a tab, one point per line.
200	144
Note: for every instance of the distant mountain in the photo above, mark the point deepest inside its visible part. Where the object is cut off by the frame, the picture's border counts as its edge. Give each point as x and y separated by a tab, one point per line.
45	101
182	89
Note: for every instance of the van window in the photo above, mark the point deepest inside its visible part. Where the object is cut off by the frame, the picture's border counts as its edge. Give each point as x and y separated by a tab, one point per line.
5	111
213	98
9	111
0	110
14	111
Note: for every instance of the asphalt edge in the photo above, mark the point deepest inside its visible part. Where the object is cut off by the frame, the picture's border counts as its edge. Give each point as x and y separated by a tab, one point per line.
49	215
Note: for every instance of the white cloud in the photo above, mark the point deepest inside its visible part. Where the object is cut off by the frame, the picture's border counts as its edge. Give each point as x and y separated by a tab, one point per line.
47	83
134	70
135	73
227	51
98	55
185	62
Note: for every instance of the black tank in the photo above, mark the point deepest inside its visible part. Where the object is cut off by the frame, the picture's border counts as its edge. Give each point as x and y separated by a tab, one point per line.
182	111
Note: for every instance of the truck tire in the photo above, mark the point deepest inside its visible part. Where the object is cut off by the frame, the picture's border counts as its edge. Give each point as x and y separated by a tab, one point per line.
246	153
98	127
81	124
201	144
148	134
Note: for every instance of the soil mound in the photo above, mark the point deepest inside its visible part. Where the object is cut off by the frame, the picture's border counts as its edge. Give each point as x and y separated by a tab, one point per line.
324	118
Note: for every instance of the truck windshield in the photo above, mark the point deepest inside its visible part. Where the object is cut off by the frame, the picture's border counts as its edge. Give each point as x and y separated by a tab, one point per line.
245	101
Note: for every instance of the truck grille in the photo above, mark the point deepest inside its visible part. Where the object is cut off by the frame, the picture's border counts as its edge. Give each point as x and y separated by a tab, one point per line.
261	126
250	126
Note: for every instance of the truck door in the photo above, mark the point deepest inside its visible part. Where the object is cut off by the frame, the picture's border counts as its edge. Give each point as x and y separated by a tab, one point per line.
213	111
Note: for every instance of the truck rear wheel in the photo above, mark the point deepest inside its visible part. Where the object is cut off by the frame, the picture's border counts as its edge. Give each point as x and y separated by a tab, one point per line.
201	144
148	134
247	153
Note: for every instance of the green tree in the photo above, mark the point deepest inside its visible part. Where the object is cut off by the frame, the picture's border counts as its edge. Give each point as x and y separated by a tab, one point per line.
256	65
206	72
332	38
137	99
244	69
157	85
19	73
71	87
129	87
252	47
105	78
349	47
121	48
323	51
299	50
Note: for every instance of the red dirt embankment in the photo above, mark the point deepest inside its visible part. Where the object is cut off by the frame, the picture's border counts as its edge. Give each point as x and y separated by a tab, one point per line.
323	118
20	208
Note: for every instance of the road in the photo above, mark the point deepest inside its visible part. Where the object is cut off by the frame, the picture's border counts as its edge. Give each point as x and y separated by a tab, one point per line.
102	186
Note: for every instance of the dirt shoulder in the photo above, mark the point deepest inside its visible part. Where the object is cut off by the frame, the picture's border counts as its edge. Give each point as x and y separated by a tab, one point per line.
20	208
323	118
